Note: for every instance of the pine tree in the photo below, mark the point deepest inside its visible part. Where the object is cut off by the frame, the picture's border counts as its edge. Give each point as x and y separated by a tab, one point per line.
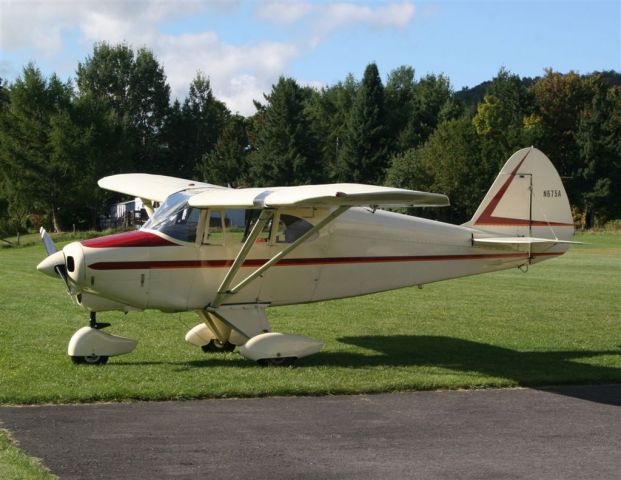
33	176
365	155
192	130
400	108
284	150
227	163
329	111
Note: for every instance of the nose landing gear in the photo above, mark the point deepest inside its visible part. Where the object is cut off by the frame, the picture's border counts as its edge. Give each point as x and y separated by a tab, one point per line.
90	346
93	323
90	360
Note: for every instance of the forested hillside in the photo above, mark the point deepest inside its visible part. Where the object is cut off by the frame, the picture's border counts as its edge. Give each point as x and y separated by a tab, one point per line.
57	138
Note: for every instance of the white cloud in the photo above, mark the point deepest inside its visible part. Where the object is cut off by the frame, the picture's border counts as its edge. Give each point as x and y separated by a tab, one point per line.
324	18
239	73
284	12
100	26
33	24
42	24
340	15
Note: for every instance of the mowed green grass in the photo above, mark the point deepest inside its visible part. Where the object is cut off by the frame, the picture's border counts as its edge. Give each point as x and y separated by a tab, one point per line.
16	465
560	323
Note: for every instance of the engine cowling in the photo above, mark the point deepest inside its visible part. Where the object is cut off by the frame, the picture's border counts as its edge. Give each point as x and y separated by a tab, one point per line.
95	303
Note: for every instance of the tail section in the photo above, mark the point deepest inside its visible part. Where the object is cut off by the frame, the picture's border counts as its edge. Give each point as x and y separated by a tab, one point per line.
527	199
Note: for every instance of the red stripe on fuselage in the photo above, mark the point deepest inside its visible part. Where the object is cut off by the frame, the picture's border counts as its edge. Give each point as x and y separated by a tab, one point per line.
288	262
137	238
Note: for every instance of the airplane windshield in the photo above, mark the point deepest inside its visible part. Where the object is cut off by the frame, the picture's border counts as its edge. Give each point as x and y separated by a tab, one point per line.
176	218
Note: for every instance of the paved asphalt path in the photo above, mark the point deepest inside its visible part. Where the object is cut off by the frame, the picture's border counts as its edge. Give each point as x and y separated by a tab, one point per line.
555	433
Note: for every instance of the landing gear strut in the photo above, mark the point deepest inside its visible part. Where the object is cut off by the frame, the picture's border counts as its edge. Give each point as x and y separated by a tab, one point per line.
95	324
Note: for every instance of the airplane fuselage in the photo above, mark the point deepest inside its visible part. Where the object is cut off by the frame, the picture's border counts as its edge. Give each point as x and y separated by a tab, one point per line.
361	252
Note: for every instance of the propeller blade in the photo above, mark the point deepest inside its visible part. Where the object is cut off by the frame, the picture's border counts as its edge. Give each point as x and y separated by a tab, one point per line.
54	263
48	243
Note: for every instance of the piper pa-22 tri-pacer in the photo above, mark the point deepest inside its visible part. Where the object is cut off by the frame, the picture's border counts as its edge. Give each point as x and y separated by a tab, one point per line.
229	254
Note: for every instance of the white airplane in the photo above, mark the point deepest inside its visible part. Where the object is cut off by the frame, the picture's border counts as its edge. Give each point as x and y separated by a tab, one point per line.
229	254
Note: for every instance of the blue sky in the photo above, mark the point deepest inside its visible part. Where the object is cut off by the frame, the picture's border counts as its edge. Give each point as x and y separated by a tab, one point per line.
244	46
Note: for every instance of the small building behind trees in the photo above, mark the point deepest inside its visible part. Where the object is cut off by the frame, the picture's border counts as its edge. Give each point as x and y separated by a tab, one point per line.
123	215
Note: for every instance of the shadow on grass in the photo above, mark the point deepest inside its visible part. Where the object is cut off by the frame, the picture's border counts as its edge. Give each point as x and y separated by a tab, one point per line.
529	369
213	360
525	368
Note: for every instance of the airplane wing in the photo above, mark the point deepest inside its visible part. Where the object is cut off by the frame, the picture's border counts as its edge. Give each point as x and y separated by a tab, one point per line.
149	187
338	194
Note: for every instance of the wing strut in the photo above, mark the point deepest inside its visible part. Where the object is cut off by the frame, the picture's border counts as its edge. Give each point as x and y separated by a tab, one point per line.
224	292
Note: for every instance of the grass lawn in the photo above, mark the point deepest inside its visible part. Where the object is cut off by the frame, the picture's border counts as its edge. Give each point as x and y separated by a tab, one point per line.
560	323
15	465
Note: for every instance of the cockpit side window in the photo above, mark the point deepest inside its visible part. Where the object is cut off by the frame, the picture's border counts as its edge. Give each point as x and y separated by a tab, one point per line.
176	218
171	205
182	224
232	226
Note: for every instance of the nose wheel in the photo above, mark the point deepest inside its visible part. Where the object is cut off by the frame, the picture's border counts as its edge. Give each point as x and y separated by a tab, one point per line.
90	360
91	346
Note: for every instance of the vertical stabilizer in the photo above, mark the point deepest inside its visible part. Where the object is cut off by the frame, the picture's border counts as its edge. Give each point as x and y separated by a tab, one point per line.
526	199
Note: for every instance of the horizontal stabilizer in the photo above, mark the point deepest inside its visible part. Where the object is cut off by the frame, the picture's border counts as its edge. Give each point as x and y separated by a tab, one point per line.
147	186
339	194
520	241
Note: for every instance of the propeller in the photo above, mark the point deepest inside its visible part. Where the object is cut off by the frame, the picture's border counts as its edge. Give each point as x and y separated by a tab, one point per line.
54	263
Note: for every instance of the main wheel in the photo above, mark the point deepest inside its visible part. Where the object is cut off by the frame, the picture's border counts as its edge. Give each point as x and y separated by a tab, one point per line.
277	362
90	360
218	347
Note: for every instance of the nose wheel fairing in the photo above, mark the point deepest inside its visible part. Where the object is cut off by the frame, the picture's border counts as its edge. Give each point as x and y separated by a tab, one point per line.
88	344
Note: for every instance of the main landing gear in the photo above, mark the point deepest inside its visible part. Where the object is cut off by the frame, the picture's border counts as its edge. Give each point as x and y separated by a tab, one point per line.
247	327
216	346
90	346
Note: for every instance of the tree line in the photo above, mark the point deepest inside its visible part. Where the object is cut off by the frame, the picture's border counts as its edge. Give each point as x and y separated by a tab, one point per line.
57	138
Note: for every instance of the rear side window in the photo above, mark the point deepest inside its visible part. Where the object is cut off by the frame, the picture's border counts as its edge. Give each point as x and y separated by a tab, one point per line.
290	228
214	233
251	218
